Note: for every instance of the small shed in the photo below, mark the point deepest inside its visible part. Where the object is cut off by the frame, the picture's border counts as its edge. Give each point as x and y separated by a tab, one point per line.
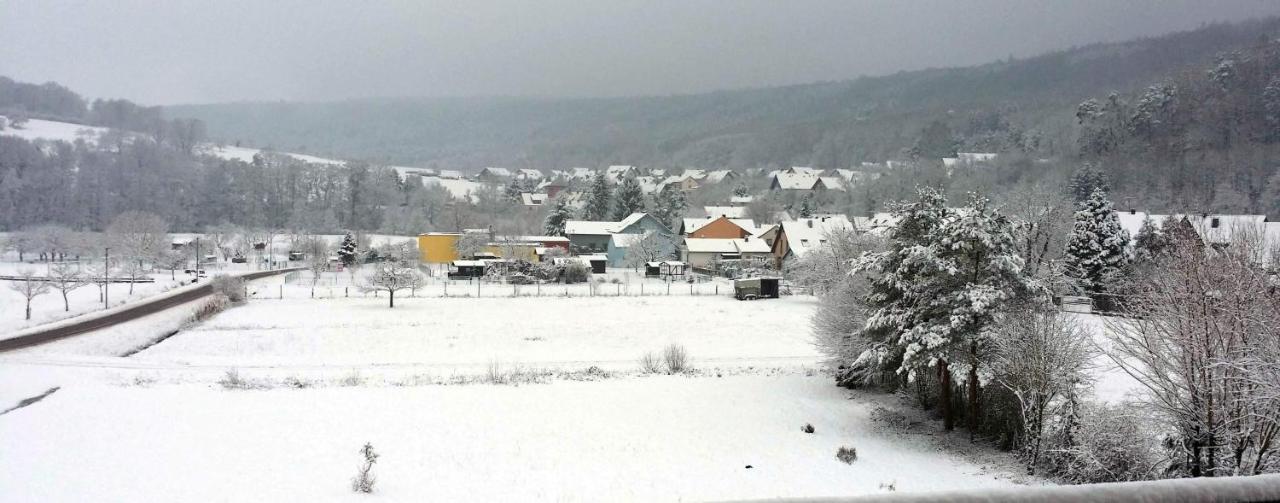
664	268
755	288
467	269
598	262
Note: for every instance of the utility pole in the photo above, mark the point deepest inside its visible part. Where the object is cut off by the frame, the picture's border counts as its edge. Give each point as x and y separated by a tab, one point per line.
106	278
197	260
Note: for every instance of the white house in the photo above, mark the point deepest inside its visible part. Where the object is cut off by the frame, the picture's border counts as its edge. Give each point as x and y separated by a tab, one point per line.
707	253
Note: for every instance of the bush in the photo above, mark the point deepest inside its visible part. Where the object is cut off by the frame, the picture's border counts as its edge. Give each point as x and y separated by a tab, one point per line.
807	428
676	358
216	304
230	286
364	479
650	363
847	455
577	272
232	380
1106	444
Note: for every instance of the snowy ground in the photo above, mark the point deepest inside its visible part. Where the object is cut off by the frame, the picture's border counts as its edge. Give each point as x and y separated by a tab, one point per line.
38	129
49	307
333	374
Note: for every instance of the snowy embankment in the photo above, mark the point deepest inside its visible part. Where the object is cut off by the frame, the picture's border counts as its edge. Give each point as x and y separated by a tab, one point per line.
327	376
665	438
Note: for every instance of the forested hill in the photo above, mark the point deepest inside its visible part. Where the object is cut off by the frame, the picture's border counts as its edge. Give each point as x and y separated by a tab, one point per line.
1016	105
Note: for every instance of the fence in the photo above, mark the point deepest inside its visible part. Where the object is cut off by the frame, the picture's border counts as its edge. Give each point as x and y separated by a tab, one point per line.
296	286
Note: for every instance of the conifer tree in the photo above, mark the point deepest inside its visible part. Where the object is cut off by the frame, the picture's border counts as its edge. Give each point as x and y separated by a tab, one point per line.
597	207
553	225
1098	248
629	198
669	204
348	250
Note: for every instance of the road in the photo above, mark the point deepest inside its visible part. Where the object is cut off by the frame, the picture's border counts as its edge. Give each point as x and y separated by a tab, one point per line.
122	314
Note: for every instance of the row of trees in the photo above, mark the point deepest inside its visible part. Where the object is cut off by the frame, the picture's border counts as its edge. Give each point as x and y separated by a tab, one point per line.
953	305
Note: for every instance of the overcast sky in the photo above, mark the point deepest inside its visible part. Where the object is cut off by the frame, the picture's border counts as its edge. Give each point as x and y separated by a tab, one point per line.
166	52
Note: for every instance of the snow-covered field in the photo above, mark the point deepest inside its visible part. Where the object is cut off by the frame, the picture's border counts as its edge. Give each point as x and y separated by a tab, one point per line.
38	129
330	375
49	307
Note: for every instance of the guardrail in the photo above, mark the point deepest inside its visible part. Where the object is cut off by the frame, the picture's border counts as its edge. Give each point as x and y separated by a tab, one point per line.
1198	490
101	319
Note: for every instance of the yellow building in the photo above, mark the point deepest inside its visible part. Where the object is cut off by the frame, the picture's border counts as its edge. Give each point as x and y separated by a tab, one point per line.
438	247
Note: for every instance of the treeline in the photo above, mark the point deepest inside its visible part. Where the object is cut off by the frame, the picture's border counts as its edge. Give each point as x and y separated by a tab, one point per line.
1203	139
1024	106
20	101
84	187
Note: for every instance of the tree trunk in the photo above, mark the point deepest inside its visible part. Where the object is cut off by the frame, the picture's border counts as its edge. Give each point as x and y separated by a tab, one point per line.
66	305
391	294
28	309
973	391
944	383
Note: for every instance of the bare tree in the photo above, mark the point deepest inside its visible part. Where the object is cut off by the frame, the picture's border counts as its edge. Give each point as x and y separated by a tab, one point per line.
140	236
29	286
172	260
1041	356
65	278
316	250
1201	318
133	269
647	248
223	238
100	275
391	277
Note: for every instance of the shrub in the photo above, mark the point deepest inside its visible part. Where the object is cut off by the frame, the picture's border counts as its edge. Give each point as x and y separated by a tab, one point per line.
577	273
232	380
352	379
216	304
676	358
847	455
364	479
807	428
230	286
1105	443
650	363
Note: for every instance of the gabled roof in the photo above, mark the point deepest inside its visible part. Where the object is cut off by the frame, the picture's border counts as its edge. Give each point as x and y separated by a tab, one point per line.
495	171
728	211
693	224
529	174
588	227
696	174
795	181
712	245
450	174
831	182
806	234
719	175
533	199
630	220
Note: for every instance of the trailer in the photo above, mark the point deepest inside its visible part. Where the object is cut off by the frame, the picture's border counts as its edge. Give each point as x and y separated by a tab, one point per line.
755	288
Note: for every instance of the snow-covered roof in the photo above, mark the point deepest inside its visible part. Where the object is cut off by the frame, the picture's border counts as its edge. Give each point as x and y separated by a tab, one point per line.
803	170
718	175
696	174
625	240
615	173
627	222
589	227
714	245
503	172
450	174
728	211
533	199
806	234
529	174
795	181
832	182
741	199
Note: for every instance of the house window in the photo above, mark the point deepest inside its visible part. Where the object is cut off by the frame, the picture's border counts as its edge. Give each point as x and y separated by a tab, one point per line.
804	242
1214	223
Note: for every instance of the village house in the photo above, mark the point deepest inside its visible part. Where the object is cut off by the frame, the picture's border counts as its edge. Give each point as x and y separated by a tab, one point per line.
587	236
796	238
493	175
804	181
441	247
616	173
710	253
720	227
528	174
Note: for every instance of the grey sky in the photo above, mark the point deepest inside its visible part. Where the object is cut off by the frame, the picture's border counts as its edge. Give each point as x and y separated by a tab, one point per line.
165	52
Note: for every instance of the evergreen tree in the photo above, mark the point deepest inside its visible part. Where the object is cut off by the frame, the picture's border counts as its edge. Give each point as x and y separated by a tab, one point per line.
628	199
806	206
597	207
937	288
669	204
553	225
1098	248
348	250
1149	243
741	190
1086	180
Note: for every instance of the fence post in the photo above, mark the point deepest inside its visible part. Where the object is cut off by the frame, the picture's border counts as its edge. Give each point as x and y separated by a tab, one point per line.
618	291
642	289
346	292
281	291
717	289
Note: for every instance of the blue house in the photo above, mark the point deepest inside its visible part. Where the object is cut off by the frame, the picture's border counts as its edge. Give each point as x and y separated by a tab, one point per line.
632	229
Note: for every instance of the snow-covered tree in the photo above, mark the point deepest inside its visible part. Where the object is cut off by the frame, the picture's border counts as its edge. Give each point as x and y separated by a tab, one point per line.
669	204
29	286
348	251
650	247
598	202
471	243
806	206
65	278
1098	249
628	199
139	235
1086	180
172	260
391	277
742	190
1149	243
937	288
560	213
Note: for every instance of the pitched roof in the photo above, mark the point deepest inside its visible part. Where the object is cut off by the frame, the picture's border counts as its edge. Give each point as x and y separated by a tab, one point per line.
832	182
713	245
806	234
695	223
719	175
795	181
528	173
533	199
588	227
728	211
